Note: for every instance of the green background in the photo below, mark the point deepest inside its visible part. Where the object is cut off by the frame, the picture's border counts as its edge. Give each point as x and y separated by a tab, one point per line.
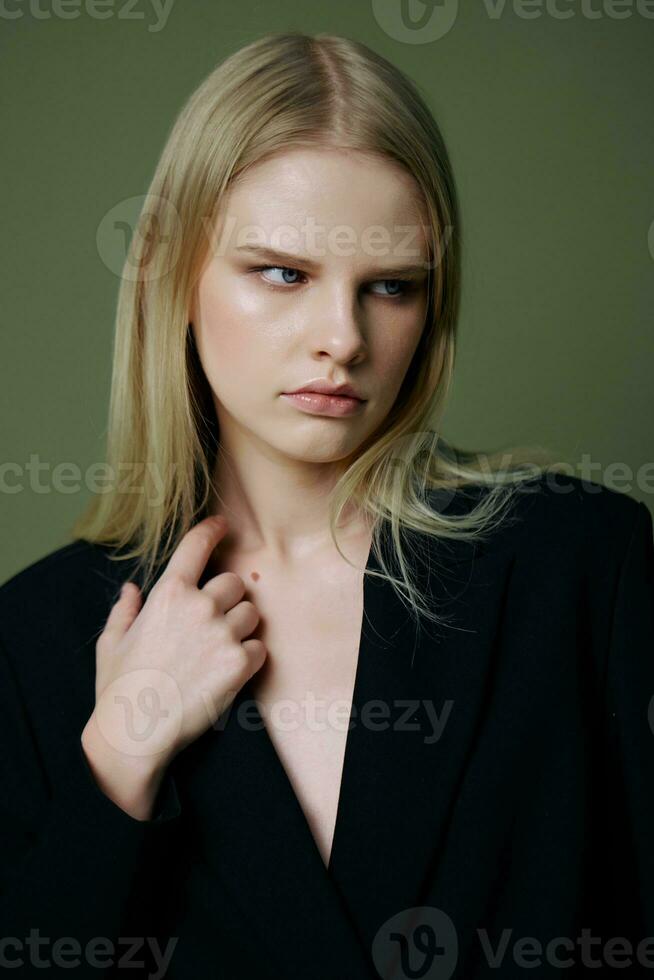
549	128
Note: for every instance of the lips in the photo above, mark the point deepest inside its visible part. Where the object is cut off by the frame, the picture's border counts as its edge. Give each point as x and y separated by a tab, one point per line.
321	386
317	403
328	394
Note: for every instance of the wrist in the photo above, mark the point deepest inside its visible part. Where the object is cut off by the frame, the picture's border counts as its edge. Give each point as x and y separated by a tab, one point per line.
132	782
145	767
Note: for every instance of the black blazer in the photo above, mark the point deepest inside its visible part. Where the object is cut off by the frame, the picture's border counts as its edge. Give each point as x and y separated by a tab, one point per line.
497	789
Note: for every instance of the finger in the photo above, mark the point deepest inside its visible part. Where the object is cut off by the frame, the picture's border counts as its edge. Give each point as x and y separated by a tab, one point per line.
227	588
191	555
243	619
257	652
124	611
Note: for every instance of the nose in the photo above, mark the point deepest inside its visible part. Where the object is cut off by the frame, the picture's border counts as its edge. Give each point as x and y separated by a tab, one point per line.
340	331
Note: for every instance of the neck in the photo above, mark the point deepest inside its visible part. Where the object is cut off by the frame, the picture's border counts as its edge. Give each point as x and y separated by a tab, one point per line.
279	506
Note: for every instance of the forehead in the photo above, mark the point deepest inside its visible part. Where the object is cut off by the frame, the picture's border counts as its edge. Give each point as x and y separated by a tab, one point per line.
326	202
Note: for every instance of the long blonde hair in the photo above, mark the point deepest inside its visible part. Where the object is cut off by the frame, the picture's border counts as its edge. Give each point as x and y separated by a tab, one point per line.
282	91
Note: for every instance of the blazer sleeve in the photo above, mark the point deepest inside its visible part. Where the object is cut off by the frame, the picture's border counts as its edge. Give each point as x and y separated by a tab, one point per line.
629	719
68	872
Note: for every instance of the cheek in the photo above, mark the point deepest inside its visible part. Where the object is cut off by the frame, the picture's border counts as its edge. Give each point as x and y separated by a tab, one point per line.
397	340
231	323
236	319
237	340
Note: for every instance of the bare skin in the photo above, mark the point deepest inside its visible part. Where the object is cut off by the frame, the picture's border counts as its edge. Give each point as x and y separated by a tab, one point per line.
262	327
304	692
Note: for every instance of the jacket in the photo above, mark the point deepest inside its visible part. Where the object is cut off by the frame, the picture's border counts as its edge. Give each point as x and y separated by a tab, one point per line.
496	807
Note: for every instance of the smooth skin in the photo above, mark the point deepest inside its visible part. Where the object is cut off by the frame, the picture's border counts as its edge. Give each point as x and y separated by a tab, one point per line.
319	305
263	327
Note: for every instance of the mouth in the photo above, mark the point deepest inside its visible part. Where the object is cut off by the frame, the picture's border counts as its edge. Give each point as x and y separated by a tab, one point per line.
317	403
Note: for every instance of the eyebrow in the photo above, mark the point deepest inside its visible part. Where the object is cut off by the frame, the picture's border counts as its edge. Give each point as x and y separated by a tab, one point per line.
290	260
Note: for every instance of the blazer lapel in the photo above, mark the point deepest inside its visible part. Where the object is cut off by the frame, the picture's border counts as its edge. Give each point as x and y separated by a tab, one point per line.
405	762
250	829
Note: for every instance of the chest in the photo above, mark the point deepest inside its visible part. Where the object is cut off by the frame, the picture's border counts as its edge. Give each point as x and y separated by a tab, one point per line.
304	690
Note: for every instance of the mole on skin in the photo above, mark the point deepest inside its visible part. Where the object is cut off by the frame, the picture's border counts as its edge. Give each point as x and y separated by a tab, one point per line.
254	576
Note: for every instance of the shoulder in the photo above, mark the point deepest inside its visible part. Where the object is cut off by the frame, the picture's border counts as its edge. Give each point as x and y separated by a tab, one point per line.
570	508
59	601
558	518
556	568
77	568
74	555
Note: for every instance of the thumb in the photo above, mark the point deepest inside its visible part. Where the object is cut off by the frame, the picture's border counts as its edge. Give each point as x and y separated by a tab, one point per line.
125	610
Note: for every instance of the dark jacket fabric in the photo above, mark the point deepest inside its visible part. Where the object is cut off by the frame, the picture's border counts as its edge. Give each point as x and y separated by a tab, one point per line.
496	808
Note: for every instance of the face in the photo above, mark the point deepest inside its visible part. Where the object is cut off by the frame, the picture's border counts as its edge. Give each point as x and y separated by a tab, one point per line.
304	280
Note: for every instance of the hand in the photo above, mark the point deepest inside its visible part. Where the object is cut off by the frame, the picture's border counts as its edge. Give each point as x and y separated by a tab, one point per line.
165	672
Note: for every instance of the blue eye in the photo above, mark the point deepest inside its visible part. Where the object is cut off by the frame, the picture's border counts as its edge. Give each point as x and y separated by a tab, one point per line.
283	268
403	284
400	286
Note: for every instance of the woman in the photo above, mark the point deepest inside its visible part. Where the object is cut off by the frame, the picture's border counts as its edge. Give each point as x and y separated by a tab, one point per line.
368	705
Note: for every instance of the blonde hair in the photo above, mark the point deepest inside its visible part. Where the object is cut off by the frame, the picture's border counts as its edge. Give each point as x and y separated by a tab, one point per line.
282	91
